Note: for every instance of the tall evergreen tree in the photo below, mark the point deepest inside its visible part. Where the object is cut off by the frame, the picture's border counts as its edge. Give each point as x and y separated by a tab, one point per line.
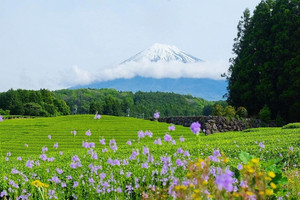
266	68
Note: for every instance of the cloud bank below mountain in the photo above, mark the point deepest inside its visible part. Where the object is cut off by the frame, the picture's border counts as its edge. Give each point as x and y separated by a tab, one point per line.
211	70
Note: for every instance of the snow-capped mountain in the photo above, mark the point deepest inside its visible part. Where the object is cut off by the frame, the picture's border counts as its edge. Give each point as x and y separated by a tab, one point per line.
162	53
163	68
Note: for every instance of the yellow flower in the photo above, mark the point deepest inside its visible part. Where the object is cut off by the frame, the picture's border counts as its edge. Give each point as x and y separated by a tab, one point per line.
269	192
197	191
249	193
226	160
273	185
271	174
261	193
183	187
205	182
268	178
177	187
210	196
189	175
236	194
251	170
255	160
191	185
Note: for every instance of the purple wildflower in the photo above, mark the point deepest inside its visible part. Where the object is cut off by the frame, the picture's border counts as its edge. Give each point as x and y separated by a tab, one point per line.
91	181
179	162
6	159
102	176
59	171
145	165
102	141
8	154
291	149
29	163
43	157
44	149
75	184
88	133
239	167
94	156
179	150
171	128
225	180
158	141
19	158
156	115
195	127
26	145
61	153
55	179
261	145
74	132
145	150
97	116
129	142
181	139
1	118
3	193
148	133
52	195
104	150
49	136
141	134
63	184
55	145
167	138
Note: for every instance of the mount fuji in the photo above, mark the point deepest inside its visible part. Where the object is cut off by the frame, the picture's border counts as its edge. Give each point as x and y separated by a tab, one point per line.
163	68
162	53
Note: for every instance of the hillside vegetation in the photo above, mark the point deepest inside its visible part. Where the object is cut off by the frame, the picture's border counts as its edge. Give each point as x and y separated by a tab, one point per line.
139	104
128	158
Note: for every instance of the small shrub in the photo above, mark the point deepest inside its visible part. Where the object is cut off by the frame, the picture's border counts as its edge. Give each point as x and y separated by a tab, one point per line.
218	110
242	112
229	111
265	114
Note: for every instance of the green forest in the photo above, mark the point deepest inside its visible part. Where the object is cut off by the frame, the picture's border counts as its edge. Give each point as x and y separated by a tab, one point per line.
264	75
103	101
139	104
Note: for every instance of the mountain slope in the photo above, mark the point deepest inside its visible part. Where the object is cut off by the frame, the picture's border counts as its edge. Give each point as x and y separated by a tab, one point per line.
205	88
162	53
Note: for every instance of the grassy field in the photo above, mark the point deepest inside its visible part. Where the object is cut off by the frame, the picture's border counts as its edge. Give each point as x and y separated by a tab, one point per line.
25	138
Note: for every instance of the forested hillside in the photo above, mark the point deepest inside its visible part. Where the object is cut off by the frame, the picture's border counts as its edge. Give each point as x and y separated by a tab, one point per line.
265	72
30	102
139	104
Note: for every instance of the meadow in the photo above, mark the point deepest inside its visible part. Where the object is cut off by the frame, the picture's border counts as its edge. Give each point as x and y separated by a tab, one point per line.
80	157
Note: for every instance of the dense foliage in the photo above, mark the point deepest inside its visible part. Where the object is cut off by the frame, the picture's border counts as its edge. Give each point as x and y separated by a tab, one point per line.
30	102
139	104
87	157
266	68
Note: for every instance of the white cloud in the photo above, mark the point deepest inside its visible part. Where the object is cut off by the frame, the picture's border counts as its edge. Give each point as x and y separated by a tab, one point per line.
211	70
78	76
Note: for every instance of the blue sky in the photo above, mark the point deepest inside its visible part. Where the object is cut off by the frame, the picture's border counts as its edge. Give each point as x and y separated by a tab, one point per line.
43	43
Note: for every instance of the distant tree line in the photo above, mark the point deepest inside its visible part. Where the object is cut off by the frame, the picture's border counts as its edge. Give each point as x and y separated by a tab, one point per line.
34	103
103	101
139	104
264	75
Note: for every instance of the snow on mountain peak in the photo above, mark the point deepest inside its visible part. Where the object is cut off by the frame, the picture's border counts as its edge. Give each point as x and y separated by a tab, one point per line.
163	53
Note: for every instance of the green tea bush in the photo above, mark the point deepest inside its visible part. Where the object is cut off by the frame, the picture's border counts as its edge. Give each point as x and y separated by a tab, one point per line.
218	110
242	112
291	126
229	111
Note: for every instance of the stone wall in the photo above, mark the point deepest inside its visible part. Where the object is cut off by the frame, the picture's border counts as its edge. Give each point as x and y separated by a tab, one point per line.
214	124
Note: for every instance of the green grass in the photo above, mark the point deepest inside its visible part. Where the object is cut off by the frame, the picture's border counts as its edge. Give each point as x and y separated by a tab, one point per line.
15	133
